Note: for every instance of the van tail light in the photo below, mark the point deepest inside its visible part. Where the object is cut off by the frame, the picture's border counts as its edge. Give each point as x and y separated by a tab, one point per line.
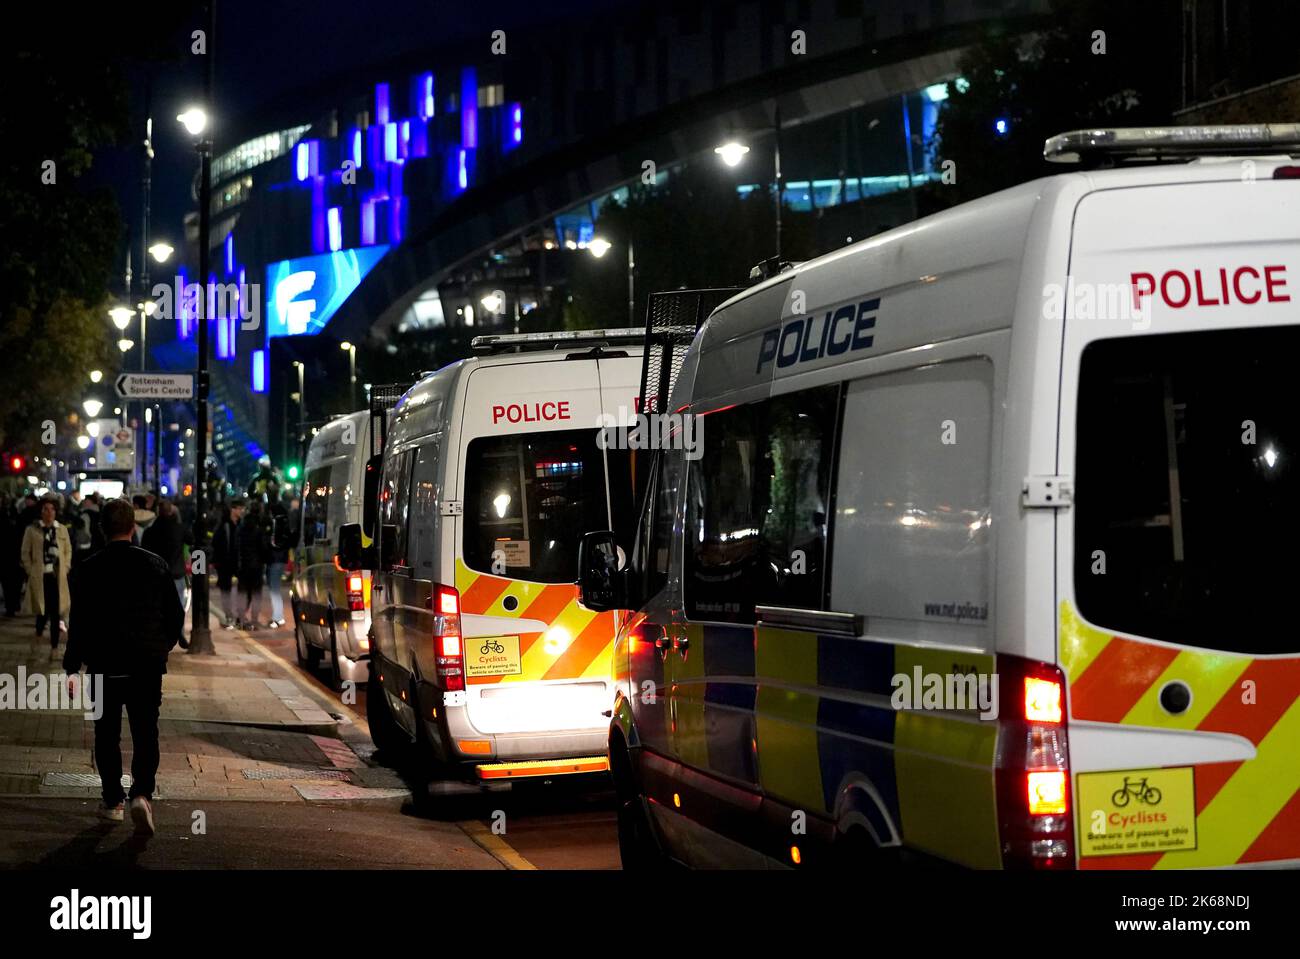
449	652
1033	768
1287	172
356	593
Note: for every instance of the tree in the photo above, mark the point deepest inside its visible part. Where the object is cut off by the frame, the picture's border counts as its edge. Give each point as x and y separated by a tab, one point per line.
1101	63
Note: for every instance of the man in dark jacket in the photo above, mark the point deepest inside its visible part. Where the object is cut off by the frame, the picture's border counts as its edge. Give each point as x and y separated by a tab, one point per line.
225	557
166	538
125	619
254	554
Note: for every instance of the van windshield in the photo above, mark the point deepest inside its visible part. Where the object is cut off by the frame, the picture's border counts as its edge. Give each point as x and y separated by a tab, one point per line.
1186	525
530	497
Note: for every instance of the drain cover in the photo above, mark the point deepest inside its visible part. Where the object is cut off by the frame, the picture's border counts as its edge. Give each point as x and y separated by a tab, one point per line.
315	774
76	779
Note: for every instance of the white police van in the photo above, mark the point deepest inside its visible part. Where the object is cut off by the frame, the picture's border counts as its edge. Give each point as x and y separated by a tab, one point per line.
491	472
987	554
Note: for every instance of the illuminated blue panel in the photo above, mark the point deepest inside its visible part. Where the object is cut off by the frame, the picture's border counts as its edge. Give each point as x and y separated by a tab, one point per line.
367	222
469	108
303	293
390	142
396	208
426	90
356	148
318	214
517	123
404	138
462	175
259	371
223	339
381	103
419	140
302	160
230	253
335	228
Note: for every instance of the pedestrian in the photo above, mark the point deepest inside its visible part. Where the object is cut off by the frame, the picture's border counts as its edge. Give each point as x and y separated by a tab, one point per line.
125	619
144	516
225	557
12	574
254	556
47	558
280	545
166	538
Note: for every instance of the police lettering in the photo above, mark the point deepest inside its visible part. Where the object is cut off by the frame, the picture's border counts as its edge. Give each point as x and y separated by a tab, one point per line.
807	338
531	412
1227	285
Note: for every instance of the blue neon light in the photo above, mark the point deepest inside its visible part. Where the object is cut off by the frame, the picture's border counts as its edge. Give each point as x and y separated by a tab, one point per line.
356	148
304	293
390	142
428	105
302	164
381	103
517	123
259	371
335	228
230	253
462	175
469	108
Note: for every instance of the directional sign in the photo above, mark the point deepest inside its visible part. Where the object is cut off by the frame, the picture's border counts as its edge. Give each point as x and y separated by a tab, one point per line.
155	386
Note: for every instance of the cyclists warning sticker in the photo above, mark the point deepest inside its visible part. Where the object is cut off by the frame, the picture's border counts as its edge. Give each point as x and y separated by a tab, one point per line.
1136	811
492	656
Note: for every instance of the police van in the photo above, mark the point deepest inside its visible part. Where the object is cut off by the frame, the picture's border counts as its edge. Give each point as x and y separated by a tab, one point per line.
330	605
985	558
491	472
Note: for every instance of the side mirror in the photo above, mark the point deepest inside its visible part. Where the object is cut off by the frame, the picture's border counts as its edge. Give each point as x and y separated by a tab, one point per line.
602	582
388	547
370	494
351	552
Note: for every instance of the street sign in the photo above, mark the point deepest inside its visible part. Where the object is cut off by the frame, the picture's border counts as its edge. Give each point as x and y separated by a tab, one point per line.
155	386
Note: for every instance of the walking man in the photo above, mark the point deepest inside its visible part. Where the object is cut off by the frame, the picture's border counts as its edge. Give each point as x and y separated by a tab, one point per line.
47	557
125	619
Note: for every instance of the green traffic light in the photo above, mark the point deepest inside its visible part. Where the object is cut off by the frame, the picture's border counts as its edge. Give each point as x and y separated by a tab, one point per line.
293	472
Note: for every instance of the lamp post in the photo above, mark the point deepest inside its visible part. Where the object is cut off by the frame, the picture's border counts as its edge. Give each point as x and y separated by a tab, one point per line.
599	246
732	152
195	121
302	399
352	369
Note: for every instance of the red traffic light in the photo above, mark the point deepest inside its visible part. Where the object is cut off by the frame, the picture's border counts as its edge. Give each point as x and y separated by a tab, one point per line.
17	463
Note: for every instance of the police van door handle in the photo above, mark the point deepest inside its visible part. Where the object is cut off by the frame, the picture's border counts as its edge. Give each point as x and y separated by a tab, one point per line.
681	644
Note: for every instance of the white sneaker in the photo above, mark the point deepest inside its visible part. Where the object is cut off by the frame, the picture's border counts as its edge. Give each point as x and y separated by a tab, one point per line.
142	816
114	813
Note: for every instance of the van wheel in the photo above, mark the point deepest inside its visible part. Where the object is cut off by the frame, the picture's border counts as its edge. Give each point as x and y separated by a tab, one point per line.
638	846
388	737
301	646
855	848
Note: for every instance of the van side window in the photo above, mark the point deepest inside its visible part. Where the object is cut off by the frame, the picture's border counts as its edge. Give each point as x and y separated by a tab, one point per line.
395	498
424	506
315	506
911	531
757	506
655	529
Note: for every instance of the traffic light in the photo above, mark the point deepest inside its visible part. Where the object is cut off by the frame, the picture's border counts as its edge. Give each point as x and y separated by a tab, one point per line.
292	472
17	463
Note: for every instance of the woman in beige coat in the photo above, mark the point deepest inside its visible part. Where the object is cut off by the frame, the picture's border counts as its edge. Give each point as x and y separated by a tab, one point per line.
47	556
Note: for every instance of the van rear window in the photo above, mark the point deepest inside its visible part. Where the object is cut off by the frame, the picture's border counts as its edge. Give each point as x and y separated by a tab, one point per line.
1185	489
530	497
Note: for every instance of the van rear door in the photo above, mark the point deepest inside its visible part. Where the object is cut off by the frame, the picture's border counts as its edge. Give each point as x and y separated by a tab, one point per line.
1176	559
533	481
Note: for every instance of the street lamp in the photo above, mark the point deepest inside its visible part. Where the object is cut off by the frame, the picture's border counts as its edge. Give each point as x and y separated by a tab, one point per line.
352	369
83	441
96	375
493	301
598	247
161	252
125	345
92	407
732	152
195	121
121	316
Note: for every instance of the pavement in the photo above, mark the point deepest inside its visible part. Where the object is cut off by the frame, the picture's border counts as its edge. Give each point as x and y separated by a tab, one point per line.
262	765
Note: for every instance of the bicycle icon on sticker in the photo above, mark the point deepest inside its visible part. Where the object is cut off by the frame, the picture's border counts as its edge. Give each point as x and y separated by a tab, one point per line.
1140	789
491	646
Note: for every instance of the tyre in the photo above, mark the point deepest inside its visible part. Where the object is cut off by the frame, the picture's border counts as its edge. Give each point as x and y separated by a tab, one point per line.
638	846
387	736
300	644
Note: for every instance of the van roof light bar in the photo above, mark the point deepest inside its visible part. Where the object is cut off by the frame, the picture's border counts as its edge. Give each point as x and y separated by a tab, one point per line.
1153	144
496	342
